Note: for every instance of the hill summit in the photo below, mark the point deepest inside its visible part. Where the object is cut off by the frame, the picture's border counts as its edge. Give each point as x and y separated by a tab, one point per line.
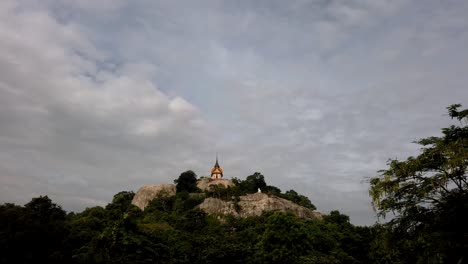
215	199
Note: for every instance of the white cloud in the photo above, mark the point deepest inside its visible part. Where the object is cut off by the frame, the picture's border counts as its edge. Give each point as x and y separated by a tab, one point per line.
181	106
98	97
76	123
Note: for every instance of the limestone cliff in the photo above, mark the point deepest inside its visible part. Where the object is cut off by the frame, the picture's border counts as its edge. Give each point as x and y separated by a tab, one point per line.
254	205
248	205
149	192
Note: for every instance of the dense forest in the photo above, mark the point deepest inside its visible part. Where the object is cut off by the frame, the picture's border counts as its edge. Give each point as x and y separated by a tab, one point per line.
426	197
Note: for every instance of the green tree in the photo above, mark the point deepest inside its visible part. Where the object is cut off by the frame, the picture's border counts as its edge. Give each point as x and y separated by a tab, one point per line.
43	209
272	190
283	241
84	227
121	204
252	183
34	233
428	195
187	182
298	199
162	202
337	218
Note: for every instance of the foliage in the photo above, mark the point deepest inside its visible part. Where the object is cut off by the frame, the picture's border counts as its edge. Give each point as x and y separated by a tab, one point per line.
187	182
121	203
283	241
251	185
299	199
173	230
254	182
272	190
169	231
428	195
34	233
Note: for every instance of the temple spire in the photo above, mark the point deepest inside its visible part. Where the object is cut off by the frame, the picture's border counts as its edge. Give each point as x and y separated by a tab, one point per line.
216	164
216	171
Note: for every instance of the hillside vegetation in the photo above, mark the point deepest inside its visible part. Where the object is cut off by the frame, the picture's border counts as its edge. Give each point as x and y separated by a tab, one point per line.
172	229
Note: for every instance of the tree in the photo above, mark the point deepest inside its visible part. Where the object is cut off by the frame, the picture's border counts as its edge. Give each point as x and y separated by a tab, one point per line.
42	209
121	204
252	183
284	240
33	233
187	182
272	190
336	217
298	199
428	194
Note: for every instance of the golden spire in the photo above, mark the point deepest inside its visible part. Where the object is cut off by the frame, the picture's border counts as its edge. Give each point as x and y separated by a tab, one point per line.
216	171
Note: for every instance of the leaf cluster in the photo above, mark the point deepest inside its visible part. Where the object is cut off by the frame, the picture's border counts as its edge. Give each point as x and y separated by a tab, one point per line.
427	194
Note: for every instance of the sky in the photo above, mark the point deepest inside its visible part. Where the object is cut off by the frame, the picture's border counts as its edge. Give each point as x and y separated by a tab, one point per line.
98	97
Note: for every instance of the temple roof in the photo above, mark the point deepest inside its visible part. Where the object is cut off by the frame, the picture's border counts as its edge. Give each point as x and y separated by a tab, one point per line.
216	168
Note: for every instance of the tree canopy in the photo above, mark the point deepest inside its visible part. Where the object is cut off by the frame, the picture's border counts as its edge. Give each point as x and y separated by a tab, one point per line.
176	232
173	230
428	194
187	182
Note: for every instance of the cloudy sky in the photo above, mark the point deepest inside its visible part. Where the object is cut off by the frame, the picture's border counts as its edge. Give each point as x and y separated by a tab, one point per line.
97	97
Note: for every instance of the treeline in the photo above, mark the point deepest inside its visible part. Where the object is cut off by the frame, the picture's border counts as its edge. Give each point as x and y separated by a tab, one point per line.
172	230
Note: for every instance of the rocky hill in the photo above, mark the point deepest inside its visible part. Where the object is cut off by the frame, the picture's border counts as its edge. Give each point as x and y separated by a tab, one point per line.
244	206
254	205
147	193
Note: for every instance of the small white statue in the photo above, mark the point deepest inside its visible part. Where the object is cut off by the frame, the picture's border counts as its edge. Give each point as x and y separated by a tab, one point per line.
259	191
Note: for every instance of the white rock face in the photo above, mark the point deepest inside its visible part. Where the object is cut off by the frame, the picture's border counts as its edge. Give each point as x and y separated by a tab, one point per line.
148	192
254	205
205	184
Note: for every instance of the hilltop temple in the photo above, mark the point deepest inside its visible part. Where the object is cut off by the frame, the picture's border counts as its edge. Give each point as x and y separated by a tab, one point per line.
216	171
